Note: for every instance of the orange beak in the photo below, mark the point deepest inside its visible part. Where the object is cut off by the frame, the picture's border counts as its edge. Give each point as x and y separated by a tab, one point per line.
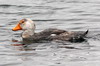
18	27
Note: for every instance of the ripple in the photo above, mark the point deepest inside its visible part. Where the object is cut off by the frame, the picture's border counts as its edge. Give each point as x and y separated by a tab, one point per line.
76	11
10	64
86	14
76	28
44	20
8	5
78	2
77	19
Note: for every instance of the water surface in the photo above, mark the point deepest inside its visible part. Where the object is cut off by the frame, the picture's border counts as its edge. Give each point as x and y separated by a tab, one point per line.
71	15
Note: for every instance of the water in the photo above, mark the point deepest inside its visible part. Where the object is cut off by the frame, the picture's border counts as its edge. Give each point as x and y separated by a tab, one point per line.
71	15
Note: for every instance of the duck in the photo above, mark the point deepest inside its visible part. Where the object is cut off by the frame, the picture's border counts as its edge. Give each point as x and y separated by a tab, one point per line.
51	34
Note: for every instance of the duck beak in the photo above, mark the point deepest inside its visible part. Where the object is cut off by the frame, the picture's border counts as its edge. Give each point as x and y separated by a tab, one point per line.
18	27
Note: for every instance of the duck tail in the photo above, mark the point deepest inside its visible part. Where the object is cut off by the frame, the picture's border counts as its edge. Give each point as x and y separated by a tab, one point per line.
79	37
86	33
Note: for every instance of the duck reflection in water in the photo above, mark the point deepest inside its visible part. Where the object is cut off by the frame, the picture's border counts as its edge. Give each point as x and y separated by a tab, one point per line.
19	45
51	34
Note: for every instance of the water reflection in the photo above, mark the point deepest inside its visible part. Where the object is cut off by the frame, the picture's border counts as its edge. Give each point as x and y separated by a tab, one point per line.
22	46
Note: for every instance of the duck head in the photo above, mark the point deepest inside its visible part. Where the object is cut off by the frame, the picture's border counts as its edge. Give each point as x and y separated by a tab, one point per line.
27	25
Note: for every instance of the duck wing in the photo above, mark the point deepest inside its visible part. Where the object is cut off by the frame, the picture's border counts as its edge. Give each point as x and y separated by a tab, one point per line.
70	36
52	31
45	34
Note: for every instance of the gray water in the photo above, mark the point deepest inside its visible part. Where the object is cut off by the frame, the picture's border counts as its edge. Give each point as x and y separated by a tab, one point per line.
71	15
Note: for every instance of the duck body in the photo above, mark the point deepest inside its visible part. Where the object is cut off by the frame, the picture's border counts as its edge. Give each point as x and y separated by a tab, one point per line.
45	35
57	34
51	34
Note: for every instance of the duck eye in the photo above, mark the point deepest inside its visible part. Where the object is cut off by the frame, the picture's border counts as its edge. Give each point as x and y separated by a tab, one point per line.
21	21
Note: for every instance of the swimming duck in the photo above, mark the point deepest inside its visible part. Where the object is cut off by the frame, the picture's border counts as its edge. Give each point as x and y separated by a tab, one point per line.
28	34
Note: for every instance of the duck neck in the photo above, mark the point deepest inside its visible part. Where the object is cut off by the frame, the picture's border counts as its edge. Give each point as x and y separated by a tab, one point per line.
27	33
